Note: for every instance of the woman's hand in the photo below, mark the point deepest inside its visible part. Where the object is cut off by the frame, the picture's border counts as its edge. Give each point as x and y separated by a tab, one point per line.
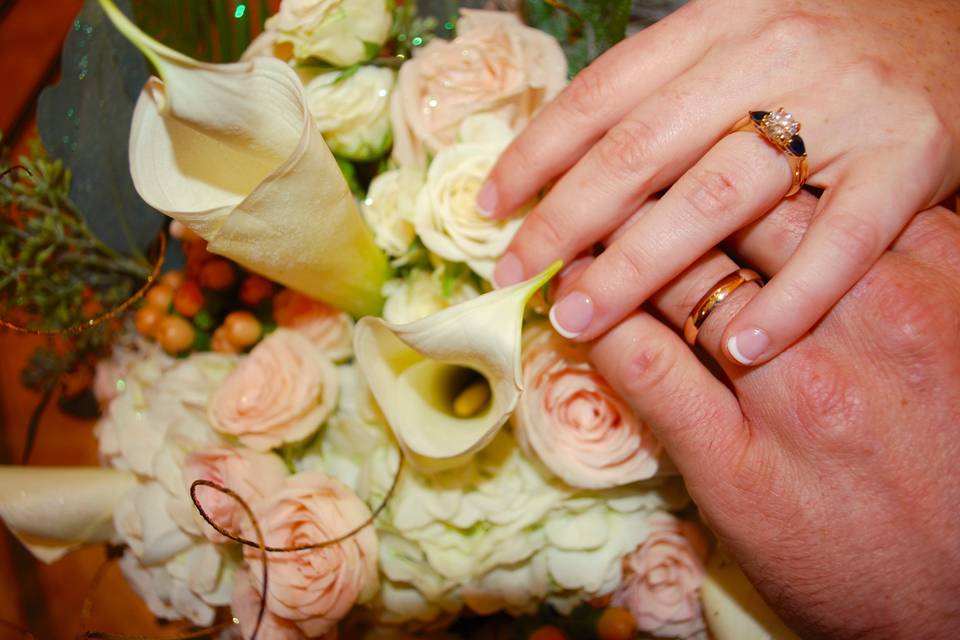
876	85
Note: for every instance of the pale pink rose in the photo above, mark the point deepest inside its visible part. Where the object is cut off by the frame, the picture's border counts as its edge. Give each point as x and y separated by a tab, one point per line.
314	589
282	392
661	581
495	65
327	327
572	419
246	607
250	474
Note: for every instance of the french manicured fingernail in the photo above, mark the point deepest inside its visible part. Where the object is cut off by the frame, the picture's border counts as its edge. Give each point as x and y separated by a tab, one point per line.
509	271
748	345
572	315
487	200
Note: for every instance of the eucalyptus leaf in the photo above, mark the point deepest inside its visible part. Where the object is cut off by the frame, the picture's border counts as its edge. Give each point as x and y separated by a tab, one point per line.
584	28
85	121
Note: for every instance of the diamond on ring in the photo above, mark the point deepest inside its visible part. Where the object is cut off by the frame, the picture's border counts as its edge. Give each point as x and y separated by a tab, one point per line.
780	128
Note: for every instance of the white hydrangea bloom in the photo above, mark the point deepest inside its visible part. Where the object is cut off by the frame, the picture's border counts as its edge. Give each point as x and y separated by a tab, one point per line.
499	534
150	428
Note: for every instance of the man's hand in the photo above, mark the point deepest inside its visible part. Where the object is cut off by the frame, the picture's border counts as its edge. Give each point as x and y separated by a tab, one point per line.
832	471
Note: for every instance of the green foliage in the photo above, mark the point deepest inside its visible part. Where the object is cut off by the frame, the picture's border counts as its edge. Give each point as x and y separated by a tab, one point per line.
411	29
84	121
584	28
211	30
54	274
50	263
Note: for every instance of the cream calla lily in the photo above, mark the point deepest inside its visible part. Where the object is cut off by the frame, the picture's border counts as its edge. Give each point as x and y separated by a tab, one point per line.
232	152
54	510
733	608
416	371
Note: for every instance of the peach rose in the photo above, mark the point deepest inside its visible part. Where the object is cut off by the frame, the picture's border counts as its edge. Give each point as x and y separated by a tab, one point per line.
314	589
662	578
245	606
282	392
572	419
495	65
252	475
328	328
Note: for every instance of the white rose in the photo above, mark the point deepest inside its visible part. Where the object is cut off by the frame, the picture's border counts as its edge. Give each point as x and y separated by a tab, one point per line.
447	219
421	294
342	32
389	209
352	110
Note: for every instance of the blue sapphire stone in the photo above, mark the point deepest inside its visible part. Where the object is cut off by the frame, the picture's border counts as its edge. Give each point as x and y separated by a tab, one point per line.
796	146
758	116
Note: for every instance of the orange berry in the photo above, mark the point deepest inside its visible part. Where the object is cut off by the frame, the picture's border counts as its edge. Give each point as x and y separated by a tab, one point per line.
172	279
217	274
254	290
160	296
616	624
220	343
188	301
548	632
242	328
147	320
175	334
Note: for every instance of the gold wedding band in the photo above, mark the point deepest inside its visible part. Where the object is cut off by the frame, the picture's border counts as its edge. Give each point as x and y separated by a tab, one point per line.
713	299
780	129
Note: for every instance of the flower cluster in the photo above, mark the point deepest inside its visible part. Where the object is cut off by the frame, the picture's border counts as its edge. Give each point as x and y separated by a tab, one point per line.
519	477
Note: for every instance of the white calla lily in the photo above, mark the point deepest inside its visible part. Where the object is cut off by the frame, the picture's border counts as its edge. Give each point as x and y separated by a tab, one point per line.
733	608
421	373
232	152
54	510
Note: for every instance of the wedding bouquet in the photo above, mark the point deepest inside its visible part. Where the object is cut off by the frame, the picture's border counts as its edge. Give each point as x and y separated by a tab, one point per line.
410	445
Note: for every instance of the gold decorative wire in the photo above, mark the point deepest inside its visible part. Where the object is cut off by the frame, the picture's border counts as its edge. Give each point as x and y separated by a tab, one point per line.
161	249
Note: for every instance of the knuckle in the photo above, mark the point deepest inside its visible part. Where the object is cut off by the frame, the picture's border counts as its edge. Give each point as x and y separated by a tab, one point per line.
588	91
913	322
830	403
626	149
932	134
791	33
626	263
711	194
644	369
874	70
546	227
854	237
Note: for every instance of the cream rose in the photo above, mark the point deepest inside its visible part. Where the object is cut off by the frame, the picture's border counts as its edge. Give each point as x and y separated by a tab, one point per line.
390	206
495	65
282	392
250	474
314	589
338	31
352	110
572	419
328	328
447	219
421	294
662	578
